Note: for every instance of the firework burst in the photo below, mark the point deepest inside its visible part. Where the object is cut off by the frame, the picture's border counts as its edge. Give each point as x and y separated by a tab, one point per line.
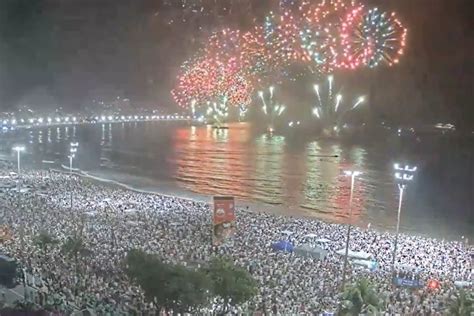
218	112
212	80
372	37
331	106
281	38
320	36
270	107
320	33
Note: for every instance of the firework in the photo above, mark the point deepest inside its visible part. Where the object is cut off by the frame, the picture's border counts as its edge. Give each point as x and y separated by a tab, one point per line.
218	112
322	36
319	34
226	44
211	80
243	109
254	52
270	107
195	83
331	107
281	38
372	37
292	4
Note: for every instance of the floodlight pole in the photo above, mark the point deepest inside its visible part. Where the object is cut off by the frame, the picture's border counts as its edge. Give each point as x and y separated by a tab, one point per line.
352	174
401	188
403	175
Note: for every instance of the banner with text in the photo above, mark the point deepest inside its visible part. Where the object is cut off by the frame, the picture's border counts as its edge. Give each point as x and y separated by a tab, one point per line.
223	220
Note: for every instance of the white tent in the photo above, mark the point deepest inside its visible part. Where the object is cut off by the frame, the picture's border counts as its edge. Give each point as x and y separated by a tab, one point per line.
131	210
462	284
310	251
355	254
287	232
365	263
323	240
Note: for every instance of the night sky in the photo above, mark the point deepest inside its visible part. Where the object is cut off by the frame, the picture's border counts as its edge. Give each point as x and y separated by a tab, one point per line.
69	52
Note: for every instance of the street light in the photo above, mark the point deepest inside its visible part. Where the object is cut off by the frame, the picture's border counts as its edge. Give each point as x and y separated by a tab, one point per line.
72	154
353	175
403	174
18	150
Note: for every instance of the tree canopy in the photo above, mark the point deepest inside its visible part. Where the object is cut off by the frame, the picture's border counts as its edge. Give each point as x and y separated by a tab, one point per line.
462	304
172	287
233	284
182	289
8	272
360	297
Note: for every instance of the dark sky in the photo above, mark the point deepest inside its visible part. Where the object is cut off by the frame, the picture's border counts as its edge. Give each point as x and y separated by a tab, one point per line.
70	51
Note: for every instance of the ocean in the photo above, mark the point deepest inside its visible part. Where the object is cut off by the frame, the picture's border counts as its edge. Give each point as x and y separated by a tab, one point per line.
295	175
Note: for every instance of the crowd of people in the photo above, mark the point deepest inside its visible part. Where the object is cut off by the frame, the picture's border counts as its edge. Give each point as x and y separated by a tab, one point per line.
112	221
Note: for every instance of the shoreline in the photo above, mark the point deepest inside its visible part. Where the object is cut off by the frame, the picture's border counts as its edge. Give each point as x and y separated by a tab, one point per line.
168	191
141	184
253	207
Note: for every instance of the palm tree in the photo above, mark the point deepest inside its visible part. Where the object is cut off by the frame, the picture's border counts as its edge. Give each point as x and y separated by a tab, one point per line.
461	305
74	247
360	298
24	305
43	240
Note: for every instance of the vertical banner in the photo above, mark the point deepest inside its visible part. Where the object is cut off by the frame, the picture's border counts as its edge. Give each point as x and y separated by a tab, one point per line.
223	220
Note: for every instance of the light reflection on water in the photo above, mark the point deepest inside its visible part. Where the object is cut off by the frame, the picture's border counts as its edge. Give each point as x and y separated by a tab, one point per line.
300	176
270	169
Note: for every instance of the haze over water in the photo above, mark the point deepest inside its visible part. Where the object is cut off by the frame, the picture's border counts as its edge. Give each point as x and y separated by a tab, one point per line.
294	175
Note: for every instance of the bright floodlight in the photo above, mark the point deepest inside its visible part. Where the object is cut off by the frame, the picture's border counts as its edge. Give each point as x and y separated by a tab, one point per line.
404	173
316	88
316	112
260	94
282	108
403	177
359	101
351	173
405	168
338	101
19	148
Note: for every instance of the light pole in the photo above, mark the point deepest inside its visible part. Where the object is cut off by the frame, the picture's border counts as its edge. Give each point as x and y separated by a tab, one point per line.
72	154
402	175
18	150
353	175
